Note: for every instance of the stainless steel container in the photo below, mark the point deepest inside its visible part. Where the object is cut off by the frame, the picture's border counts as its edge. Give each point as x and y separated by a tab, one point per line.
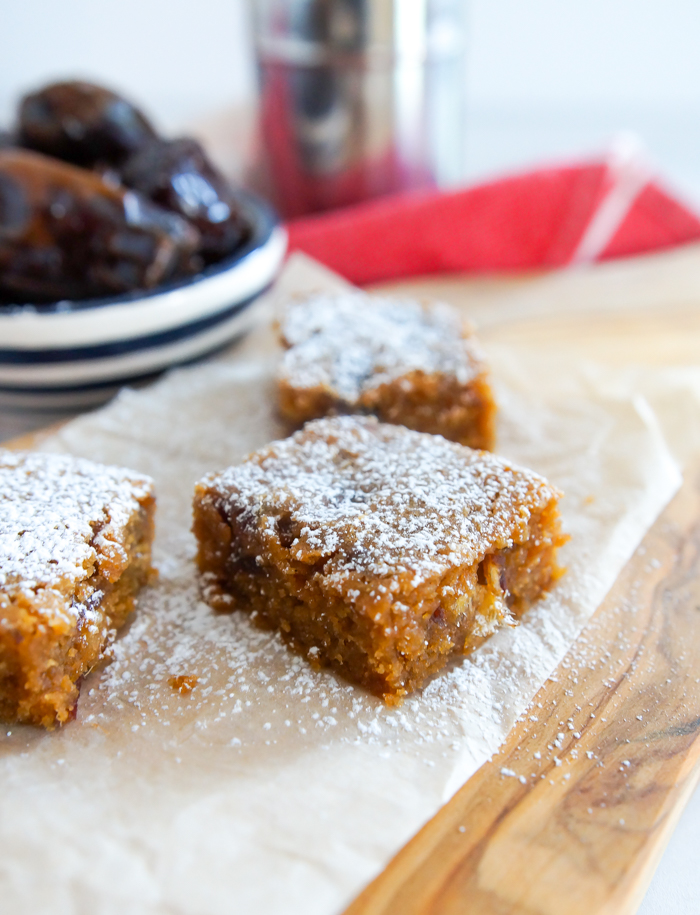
358	98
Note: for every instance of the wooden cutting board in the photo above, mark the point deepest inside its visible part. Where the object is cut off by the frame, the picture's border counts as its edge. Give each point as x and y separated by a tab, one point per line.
581	833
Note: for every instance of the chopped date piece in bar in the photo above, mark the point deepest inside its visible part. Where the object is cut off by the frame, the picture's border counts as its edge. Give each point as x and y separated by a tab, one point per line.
407	362
378	551
75	548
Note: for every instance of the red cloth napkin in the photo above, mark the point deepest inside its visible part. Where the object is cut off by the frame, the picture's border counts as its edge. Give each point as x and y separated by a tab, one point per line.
541	219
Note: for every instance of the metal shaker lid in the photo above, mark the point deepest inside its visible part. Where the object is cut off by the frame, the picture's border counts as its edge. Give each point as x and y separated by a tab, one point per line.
321	32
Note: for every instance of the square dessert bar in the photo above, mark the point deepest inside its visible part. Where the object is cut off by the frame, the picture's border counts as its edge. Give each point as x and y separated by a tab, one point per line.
406	362
376	550
75	547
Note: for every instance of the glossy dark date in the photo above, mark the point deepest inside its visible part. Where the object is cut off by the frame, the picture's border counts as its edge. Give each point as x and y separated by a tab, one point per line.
82	123
67	234
177	175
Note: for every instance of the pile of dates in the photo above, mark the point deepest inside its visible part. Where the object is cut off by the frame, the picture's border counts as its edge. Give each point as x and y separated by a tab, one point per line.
93	202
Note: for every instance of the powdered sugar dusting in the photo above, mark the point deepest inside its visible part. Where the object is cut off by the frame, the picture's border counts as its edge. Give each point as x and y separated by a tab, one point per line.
58	514
268	765
381	499
352	342
245	675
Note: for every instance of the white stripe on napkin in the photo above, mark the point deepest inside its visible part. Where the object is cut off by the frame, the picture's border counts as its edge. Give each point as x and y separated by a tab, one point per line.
629	172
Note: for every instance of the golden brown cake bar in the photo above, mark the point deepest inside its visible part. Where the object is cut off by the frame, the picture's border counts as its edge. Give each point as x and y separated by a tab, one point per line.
376	550
406	362
75	547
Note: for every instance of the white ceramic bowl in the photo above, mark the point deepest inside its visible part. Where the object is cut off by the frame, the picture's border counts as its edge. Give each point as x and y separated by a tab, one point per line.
74	354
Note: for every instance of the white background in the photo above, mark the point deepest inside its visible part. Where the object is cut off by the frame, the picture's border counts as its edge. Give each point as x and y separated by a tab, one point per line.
546	79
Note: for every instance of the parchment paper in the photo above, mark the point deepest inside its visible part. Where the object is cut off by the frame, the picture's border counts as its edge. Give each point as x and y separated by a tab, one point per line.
273	788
